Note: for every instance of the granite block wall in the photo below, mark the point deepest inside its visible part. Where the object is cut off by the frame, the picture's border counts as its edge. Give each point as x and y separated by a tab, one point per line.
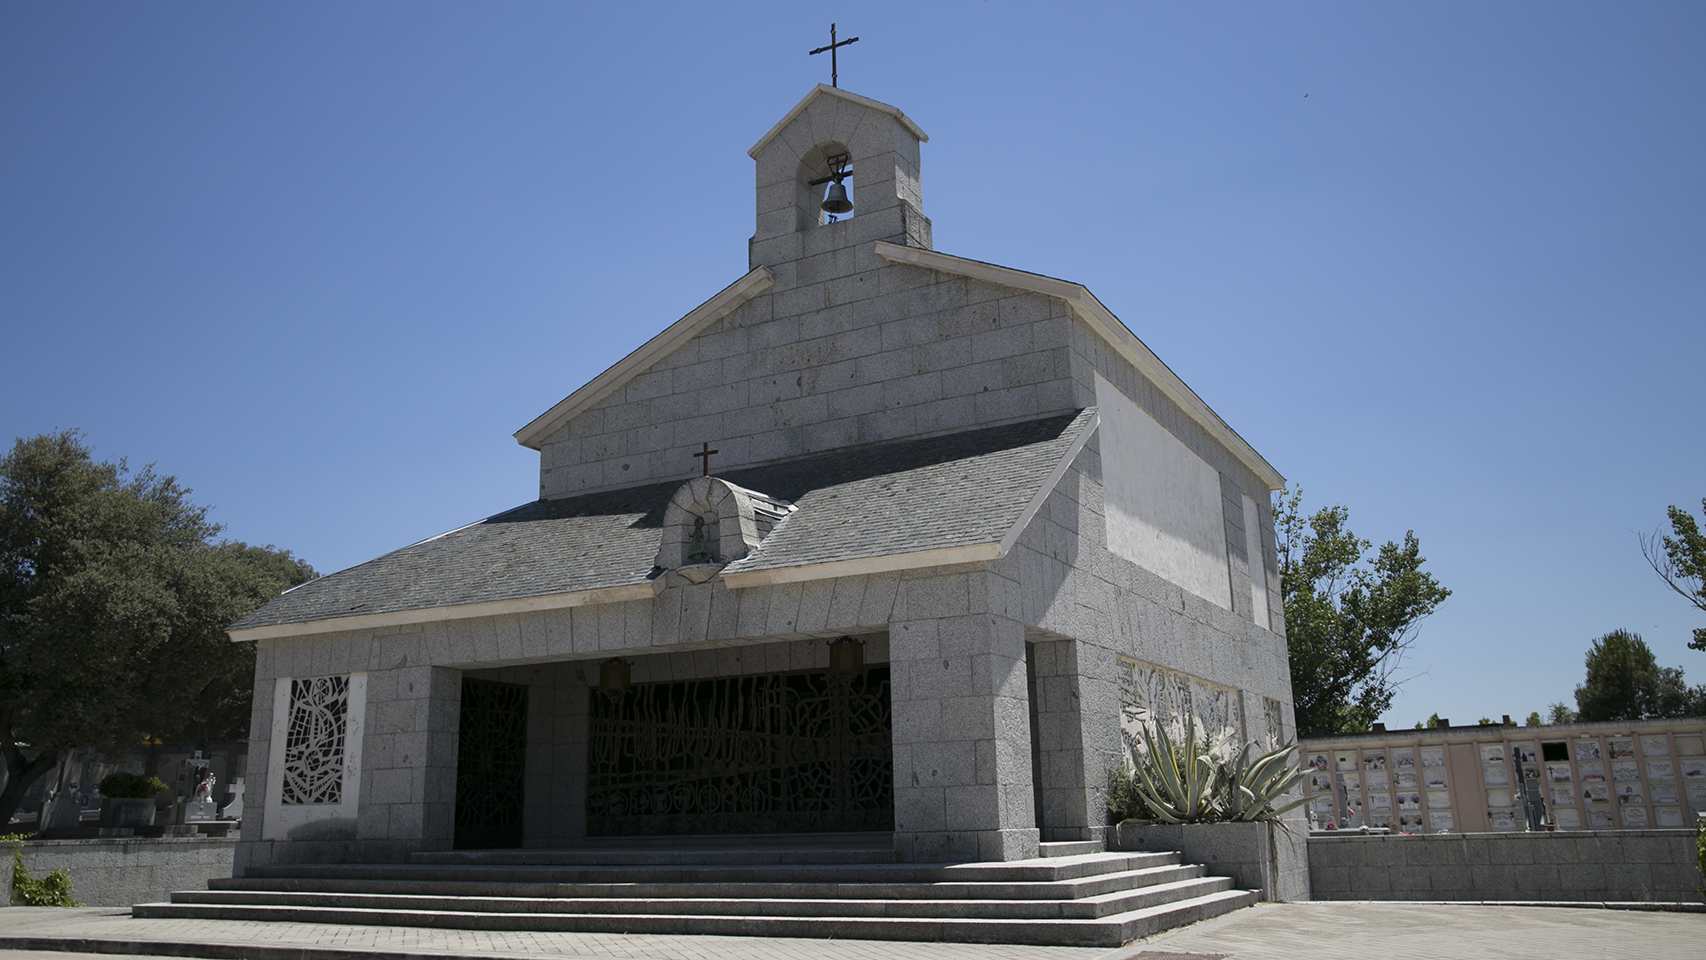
1062	582
130	870
819	362
1257	856
1565	866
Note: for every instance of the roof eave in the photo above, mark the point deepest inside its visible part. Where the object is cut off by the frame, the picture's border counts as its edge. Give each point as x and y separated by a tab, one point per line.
737	577
491	608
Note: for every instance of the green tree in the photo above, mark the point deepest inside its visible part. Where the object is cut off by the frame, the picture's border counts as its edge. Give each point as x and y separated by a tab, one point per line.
1560	712
114	596
1349	617
1533	719
1679	559
1625	682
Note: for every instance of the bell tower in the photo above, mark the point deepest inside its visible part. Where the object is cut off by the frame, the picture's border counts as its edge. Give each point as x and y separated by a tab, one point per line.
834	139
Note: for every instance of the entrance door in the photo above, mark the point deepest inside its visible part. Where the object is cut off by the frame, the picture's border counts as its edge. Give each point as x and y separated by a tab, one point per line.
777	753
490	765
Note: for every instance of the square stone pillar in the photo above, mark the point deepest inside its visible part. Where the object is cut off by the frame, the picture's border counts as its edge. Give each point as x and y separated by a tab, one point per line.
414	728
1073	805
962	740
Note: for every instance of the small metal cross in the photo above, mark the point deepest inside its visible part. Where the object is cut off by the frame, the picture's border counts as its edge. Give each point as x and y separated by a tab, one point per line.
705	451
834	80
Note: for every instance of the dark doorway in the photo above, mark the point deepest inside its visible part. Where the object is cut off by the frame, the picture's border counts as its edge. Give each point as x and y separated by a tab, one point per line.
490	765
776	753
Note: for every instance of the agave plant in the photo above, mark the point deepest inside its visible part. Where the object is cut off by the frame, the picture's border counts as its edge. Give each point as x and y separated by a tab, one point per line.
1189	782
1174	781
1252	787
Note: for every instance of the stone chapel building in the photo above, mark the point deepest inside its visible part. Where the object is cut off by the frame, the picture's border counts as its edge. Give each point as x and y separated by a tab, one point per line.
957	529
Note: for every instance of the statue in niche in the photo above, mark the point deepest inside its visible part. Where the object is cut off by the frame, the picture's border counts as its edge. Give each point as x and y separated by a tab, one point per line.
697	550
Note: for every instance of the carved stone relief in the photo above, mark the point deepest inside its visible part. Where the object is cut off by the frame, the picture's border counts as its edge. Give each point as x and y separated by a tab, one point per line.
1274	715
1151	695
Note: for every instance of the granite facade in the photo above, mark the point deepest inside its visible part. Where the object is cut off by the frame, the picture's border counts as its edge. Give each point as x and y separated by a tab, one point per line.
844	349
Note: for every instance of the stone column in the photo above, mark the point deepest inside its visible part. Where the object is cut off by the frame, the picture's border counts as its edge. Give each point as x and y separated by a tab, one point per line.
962	737
415	775
1073	808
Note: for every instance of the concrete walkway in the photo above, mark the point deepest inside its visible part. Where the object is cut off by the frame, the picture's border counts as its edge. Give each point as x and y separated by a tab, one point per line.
1290	931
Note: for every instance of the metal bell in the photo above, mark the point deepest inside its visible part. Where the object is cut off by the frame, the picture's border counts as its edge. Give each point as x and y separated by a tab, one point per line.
835	201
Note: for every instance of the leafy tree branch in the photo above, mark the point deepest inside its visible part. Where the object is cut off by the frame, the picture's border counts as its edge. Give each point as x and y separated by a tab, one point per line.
1349	617
1625	682
1679	558
114	596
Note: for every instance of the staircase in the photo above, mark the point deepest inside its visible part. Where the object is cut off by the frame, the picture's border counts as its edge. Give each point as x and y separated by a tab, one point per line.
845	887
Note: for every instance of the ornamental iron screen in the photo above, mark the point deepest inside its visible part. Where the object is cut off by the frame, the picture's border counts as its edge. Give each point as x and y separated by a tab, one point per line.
314	740
490	765
775	753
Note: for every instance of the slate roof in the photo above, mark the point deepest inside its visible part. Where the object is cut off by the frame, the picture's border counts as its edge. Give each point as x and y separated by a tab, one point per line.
958	490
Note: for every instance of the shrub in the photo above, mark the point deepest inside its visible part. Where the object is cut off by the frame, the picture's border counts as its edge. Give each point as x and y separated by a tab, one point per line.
53	890
1700	847
130	786
1194	782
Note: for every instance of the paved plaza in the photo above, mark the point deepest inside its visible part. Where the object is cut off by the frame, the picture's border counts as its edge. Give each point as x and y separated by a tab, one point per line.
1290	931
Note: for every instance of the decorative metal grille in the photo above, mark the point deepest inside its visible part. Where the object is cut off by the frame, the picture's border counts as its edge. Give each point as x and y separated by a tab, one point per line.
491	772
314	740
777	753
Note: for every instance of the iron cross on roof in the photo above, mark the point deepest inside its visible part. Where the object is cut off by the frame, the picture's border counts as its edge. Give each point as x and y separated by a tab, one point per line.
834	80
705	451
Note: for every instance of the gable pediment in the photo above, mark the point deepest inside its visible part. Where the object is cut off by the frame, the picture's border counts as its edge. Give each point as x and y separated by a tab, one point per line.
729	299
825	90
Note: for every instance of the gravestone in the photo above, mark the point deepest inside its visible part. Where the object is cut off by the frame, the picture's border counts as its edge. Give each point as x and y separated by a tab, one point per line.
234	809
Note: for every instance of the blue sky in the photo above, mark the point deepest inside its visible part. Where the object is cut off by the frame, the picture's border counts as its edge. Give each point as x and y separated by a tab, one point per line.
320	261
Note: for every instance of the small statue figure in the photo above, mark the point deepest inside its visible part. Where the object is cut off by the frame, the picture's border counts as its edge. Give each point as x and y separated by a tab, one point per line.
697	550
204	789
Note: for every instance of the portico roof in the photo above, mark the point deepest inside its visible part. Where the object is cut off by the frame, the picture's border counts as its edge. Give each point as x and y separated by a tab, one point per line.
928	502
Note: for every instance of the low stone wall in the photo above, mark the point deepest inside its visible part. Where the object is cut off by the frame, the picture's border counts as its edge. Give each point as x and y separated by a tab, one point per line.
1257	856
122	872
1573	865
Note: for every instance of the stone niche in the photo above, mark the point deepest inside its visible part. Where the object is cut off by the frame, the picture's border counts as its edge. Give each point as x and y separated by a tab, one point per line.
732	521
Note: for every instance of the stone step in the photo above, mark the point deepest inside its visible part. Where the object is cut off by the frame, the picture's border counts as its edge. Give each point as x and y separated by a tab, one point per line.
1060	868
1108	931
1070	848
1152	920
657	856
1008	890
867	838
1088	908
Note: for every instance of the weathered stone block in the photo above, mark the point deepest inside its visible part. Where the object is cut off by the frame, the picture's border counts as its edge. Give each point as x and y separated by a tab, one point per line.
1258	856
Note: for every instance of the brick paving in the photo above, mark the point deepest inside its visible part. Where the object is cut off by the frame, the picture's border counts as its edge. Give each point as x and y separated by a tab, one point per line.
1361	930
116	924
1292	931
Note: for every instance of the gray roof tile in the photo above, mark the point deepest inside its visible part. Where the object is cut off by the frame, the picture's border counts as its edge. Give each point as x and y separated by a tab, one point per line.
903	497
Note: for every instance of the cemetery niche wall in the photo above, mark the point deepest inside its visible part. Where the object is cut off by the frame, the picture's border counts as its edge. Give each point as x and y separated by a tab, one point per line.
876	539
1584	776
